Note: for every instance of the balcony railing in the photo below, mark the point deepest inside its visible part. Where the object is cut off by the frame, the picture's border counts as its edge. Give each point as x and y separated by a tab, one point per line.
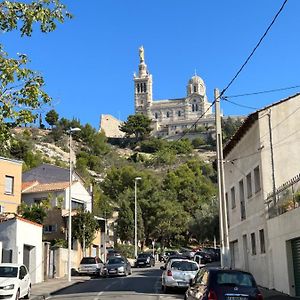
286	198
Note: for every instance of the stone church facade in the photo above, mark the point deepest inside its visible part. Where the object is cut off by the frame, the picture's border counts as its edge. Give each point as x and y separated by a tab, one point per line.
172	117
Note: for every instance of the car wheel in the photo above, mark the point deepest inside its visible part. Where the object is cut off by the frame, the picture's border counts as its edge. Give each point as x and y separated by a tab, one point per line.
28	293
18	295
166	289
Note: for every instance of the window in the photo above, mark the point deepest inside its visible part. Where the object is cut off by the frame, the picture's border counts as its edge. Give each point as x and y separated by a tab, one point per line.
232	191
179	113
253	243
168	114
1	209
195	88
196	107
249	185
9	185
77	205
50	228
145	87
193	107
242	200
226	197
262	241
257	179
156	115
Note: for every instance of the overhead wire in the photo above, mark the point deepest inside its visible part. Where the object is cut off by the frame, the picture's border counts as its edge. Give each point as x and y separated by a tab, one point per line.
238	72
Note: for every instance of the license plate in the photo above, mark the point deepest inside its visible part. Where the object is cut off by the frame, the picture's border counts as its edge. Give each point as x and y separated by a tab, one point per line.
182	284
112	271
141	263
236	298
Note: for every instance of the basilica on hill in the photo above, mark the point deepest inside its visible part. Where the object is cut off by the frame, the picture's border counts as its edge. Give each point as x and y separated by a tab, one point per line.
171	117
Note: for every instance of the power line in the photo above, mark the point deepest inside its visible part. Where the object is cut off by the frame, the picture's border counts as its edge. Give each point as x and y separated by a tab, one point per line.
241	105
253	51
195	123
262	92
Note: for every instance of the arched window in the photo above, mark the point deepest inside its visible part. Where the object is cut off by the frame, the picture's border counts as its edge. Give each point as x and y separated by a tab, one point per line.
193	107
145	87
195	89
138	87
156	115
196	107
179	113
168	114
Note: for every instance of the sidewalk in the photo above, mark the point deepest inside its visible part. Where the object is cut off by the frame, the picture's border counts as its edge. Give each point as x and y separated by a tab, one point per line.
44	289
275	295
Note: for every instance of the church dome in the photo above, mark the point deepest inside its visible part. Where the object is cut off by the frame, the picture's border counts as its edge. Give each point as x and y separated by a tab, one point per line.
196	80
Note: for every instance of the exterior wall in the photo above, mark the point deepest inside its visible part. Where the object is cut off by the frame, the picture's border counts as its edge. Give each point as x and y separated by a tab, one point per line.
110	126
11	168
272	143
245	158
282	230
17	233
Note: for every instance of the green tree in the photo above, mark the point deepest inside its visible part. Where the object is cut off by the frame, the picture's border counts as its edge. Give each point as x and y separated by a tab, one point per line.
125	225
51	117
84	227
35	212
21	88
137	125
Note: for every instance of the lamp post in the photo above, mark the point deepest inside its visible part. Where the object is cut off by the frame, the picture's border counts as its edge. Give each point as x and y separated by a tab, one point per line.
70	202
135	215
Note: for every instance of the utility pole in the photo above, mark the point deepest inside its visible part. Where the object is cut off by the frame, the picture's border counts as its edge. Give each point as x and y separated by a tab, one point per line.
225	255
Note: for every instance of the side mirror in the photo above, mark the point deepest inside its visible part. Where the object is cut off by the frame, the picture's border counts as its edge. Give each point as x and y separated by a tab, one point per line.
162	268
21	276
191	282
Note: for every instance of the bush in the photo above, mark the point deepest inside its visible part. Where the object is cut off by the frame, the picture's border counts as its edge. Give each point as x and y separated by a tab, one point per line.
153	145
197	142
125	250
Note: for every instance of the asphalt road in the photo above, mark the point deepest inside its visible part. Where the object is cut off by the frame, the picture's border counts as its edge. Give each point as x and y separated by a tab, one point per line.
143	284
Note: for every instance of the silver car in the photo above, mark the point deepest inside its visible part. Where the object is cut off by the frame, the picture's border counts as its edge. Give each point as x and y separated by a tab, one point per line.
178	274
117	266
91	266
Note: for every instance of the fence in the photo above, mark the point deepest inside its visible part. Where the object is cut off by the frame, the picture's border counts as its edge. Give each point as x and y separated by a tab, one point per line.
286	198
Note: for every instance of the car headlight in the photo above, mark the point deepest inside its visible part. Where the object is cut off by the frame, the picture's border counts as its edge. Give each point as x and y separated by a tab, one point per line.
9	287
121	269
148	259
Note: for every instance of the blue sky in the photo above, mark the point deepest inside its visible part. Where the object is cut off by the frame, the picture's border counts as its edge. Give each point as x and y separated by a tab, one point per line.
89	61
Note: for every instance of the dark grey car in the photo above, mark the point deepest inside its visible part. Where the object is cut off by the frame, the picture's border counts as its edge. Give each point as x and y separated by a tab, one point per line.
117	266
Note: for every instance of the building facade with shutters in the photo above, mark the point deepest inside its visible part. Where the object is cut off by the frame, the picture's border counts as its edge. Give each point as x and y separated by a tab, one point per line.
172	116
10	185
263	195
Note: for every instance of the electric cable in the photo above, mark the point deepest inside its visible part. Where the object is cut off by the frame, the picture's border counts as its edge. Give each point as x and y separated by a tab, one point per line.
255	48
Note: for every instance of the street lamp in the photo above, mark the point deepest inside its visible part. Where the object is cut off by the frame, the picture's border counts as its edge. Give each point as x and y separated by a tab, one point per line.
70	203
135	215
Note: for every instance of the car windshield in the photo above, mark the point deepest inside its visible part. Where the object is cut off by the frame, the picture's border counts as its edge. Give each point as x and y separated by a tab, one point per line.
235	278
8	272
184	266
115	260
88	260
143	255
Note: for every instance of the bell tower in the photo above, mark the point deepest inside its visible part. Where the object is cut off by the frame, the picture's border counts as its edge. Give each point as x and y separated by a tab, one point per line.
142	88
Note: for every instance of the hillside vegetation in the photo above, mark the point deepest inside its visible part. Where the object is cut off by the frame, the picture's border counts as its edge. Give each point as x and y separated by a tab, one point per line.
177	194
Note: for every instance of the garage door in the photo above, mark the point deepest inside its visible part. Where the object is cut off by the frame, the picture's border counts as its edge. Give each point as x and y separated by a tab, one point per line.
296	264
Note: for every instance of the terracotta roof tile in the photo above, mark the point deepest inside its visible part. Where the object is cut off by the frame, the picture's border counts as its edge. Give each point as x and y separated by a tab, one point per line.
47	187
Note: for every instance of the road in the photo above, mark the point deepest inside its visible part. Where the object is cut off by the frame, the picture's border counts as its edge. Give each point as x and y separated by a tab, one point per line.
143	284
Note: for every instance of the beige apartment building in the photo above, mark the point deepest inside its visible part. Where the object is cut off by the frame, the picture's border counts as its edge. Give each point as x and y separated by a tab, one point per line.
10	184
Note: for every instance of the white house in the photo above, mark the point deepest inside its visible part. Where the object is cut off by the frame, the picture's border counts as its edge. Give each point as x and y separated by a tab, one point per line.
21	242
260	162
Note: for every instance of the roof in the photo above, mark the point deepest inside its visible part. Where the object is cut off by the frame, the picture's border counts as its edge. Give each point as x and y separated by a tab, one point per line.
247	124
12	217
19	162
13	265
47	173
46	187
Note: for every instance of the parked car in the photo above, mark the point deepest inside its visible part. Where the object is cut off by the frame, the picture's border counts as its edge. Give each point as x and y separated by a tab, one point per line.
91	266
14	281
145	259
165	255
223	284
213	252
178	273
112	252
205	257
187	252
117	266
